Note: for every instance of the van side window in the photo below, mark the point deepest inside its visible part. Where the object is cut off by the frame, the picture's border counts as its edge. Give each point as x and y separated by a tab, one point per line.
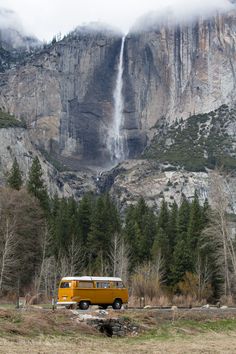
119	284
103	285
65	284
85	284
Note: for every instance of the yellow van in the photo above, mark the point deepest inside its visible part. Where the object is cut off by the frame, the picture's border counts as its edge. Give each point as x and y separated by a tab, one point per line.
85	291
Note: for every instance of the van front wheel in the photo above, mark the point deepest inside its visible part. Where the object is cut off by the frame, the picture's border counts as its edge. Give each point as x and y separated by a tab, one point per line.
117	304
84	305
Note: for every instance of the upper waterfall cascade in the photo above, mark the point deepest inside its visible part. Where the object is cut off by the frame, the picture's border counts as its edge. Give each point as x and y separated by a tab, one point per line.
117	139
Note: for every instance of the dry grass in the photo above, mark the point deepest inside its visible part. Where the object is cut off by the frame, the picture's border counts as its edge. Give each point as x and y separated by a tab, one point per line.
175	332
208	344
34	322
165	301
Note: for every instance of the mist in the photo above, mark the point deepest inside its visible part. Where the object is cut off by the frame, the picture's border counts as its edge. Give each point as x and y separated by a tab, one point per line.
183	10
173	12
46	19
9	19
13	34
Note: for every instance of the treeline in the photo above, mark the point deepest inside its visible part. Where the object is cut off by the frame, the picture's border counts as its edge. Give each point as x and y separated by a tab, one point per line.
174	249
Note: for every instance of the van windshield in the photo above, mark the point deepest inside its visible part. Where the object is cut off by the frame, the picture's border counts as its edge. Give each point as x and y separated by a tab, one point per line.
65	284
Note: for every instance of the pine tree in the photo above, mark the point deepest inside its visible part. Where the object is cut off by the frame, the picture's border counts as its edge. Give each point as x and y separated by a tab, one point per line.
172	227
182	261
36	186
105	223
72	212
195	224
162	238
183	218
15	178
53	221
130	235
139	232
205	213
85	217
149	232
182	258
146	228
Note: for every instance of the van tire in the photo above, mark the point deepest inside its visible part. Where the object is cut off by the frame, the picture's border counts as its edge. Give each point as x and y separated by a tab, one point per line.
117	304
84	305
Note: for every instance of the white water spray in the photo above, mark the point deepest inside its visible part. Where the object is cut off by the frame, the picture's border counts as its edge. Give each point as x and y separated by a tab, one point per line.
116	140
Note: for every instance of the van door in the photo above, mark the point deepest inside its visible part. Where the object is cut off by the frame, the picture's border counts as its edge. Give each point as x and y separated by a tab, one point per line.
65	291
103	292
84	290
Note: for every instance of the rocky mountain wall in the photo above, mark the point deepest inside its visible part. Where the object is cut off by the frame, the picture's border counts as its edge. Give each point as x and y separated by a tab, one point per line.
176	70
171	71
16	143
65	94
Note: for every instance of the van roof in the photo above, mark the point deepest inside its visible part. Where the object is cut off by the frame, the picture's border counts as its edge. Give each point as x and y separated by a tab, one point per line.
91	278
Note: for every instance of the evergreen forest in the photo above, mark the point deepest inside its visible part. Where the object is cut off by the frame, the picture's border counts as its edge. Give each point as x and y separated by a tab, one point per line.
184	250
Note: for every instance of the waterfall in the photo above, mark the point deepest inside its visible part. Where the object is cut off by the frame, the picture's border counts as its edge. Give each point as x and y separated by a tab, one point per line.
117	139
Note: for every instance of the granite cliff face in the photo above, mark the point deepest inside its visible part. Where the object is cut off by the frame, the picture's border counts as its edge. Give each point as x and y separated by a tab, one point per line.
176	70
156	182
65	91
65	94
15	143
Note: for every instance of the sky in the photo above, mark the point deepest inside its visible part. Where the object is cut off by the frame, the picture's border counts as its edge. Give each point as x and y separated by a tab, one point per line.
46	18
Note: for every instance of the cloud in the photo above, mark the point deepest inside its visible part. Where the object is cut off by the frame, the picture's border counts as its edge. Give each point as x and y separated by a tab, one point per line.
183	9
12	32
178	11
173	11
9	19
46	18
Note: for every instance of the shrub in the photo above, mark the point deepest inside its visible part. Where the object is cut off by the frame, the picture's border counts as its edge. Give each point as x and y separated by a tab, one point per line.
9	121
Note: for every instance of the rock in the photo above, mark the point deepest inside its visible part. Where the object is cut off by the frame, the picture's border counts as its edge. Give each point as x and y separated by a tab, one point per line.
176	72
102	312
16	142
65	91
119	333
224	307
69	102
75	312
207	306
112	327
174	308
86	317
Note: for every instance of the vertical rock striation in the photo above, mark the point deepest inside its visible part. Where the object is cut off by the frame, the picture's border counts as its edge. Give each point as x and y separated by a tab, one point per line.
175	70
65	94
65	91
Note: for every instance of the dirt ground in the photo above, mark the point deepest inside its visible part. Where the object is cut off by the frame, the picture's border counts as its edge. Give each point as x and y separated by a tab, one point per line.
210	343
211	331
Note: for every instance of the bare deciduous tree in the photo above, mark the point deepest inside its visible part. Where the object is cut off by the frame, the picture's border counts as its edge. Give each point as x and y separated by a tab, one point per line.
204	273
147	279
9	259
48	275
219	232
75	257
44	246
21	220
119	255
